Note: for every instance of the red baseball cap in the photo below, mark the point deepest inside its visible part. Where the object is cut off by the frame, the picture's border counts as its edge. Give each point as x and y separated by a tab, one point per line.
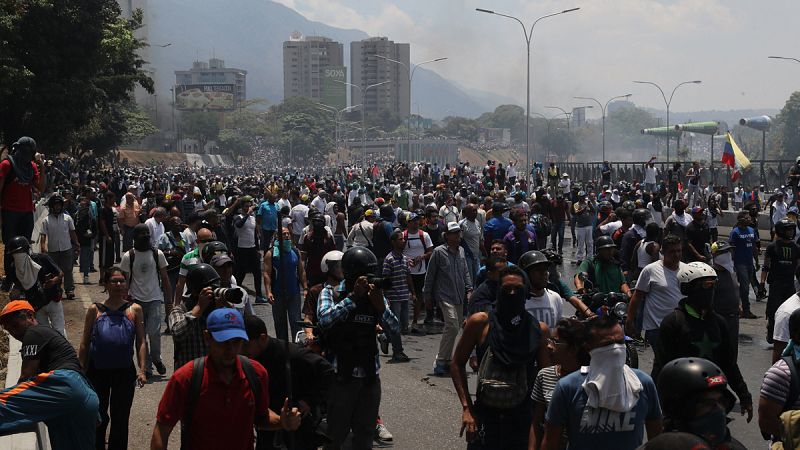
14	306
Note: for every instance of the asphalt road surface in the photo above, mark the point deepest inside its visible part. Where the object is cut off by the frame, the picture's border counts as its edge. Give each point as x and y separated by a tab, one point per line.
422	410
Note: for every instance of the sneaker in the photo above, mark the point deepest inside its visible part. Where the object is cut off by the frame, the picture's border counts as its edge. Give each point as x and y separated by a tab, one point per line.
86	279
384	341
160	367
749	315
404	332
382	433
70	295
400	357
440	369
418	331
261	300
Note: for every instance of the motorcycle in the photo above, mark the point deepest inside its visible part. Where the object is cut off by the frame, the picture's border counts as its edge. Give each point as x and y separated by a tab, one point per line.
614	304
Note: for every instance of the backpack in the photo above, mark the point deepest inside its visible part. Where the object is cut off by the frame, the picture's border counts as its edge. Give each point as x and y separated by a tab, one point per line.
421	239
542	225
113	335
197	382
132	257
501	386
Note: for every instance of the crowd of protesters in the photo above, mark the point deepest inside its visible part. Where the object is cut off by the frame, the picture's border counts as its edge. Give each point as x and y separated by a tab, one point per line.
352	259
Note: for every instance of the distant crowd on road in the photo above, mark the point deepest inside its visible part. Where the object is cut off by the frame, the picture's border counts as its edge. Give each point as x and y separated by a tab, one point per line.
352	261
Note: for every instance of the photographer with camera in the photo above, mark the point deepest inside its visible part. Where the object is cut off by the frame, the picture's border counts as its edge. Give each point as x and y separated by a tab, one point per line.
188	320
349	324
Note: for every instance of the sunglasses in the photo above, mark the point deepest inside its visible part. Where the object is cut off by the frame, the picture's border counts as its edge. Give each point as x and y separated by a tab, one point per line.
204	241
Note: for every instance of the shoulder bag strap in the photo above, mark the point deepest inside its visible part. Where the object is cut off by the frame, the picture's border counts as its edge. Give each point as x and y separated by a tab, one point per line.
252	377
794	386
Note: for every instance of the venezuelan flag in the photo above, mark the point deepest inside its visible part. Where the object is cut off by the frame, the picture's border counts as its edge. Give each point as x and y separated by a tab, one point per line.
733	156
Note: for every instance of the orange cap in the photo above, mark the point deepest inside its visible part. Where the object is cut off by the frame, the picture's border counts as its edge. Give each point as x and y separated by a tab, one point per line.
14	306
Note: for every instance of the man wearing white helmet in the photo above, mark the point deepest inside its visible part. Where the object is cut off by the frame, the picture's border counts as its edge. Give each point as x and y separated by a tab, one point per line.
564	185
693	329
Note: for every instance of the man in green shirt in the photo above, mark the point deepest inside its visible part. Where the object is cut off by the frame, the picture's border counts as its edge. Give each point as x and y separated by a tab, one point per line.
602	271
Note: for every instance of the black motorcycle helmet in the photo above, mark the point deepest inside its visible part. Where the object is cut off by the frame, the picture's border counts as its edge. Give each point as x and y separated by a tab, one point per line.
629	205
640	216
786	229
531	258
18	244
552	256
358	261
213	249
201	276
604	242
682	380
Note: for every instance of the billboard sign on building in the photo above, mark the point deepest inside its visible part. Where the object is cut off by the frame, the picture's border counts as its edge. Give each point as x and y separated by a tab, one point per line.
334	92
204	97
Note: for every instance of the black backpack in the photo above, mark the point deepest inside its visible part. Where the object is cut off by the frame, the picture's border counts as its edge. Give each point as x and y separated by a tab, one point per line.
197	383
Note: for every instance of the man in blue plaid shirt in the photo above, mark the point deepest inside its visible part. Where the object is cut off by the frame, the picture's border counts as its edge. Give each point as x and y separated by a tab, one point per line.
349	315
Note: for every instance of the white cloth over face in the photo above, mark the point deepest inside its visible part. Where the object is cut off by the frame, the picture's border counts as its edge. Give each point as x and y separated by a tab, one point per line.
725	260
610	383
682	219
26	269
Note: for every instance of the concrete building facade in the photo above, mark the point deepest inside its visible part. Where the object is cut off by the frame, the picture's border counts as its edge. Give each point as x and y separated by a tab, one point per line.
366	70
310	64
215	72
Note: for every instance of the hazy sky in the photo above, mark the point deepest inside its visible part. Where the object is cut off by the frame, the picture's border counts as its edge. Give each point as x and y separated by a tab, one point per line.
596	51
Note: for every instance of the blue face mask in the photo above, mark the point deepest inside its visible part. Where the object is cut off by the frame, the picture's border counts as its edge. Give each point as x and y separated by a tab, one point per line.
287	244
712	426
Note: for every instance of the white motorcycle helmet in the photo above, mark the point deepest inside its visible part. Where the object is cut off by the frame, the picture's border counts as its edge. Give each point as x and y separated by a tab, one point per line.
690	275
330	258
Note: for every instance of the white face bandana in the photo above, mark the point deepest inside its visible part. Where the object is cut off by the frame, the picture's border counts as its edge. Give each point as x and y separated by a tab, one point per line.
610	383
26	269
725	260
682	219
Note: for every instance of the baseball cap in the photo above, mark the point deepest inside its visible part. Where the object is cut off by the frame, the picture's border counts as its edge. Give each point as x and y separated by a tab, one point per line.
220	260
697	210
452	227
225	324
14	306
369	213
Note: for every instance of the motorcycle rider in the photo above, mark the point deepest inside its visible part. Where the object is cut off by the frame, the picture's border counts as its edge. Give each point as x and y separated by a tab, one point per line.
602	271
693	329
349	321
695	400
780	269
544	305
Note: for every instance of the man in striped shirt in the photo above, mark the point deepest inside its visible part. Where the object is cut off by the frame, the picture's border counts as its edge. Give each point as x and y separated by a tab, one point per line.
396	267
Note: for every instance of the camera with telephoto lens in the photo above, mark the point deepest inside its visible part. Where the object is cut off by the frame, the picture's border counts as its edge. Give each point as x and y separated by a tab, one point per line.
234	296
380	282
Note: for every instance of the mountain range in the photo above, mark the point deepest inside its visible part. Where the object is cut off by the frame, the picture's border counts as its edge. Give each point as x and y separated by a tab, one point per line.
249	35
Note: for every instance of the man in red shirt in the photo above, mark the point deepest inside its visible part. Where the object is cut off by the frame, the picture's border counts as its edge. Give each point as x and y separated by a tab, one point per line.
19	176
226	409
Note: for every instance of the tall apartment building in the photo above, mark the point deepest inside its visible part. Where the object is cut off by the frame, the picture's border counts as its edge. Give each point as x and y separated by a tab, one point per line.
312	67
366	70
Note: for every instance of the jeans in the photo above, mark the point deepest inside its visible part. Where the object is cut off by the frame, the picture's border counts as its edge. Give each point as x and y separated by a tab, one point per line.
473	264
353	405
286	305
248	261
693	195
743	275
62	399
52	315
115	388
652	337
585	243
650	187
152	331
266	239
338	239
558	235
86	257
453	316
127	238
400	310
64	261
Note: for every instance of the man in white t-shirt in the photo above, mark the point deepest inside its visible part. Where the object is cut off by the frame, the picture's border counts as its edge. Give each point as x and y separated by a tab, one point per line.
542	303
156	225
418	249
298	215
780	336
659	289
146	288
650	174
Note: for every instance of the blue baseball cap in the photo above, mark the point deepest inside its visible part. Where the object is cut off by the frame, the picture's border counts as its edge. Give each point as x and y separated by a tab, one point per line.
225	324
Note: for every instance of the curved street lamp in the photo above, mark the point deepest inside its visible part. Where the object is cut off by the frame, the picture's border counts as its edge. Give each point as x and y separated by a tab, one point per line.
668	102
603	111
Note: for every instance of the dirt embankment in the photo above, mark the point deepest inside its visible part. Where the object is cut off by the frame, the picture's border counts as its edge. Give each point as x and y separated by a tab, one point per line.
478	158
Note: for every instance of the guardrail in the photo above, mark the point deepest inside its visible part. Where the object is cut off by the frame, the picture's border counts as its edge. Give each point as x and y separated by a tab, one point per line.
33	437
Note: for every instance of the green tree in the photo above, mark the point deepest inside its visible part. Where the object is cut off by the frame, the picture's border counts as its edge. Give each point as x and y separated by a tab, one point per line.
67	68
200	125
462	128
305	138
789	119
234	142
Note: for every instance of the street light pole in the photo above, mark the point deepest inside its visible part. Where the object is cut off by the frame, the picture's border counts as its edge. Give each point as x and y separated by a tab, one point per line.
668	102
411	71
603	111
363	107
528	37
784	58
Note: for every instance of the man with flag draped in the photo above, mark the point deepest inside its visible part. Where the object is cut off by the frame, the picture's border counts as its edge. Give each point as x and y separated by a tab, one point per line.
733	157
